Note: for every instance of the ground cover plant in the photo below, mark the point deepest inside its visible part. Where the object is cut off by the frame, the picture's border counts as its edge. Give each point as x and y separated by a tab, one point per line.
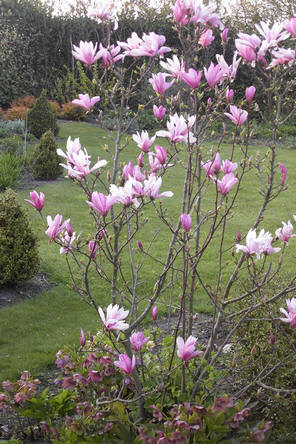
131	381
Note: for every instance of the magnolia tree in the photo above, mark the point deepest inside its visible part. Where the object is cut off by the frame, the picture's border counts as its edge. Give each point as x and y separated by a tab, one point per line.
189	98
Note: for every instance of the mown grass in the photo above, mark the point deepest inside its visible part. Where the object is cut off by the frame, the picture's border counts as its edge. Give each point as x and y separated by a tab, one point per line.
32	331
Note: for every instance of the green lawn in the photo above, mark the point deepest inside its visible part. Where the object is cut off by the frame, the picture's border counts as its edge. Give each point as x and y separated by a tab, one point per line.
33	331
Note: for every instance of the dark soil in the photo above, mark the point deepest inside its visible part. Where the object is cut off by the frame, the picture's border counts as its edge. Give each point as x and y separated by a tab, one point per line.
24	290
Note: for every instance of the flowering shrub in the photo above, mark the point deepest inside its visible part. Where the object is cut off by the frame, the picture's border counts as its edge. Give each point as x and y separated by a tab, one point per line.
192	97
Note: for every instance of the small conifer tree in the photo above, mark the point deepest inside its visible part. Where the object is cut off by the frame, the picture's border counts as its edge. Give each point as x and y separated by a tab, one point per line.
19	258
45	162
41	118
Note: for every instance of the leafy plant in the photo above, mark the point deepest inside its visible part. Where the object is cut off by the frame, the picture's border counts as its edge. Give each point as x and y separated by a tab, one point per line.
41	117
10	170
19	258
45	162
69	111
25	101
17	113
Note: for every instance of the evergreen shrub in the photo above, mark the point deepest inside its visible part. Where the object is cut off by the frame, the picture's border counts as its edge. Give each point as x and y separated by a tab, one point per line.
41	118
19	258
44	159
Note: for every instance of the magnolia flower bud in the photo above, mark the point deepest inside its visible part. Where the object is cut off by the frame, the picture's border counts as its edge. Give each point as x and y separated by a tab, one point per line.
224	34
154	313
186	221
82	338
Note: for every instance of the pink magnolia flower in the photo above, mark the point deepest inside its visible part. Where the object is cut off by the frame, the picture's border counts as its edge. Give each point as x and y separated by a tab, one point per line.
159	112
152	186
271	338
291	313
102	11
178	129
92	249
150	45
290	26
159	84
229	71
154	313
37	201
257	245
85	101
154	163
228	167
55	226
186	221
206	38
250	92
137	174
114	319
140	160
272	36
252	41
245	51
132	43
86	52
160	154
213	74
229	95
143	141
186	350
192	78
237	115
286	232
126	364
69	228
138	340
283	56
82	338
180	12
79	165
109	55
174	66
101	203
125	195
128	170
73	147
224	35
283	172
212	166
204	14
94	376
67	241
227	182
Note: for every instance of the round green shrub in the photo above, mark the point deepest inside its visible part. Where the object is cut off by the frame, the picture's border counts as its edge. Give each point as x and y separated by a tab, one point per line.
44	159
19	258
41	118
